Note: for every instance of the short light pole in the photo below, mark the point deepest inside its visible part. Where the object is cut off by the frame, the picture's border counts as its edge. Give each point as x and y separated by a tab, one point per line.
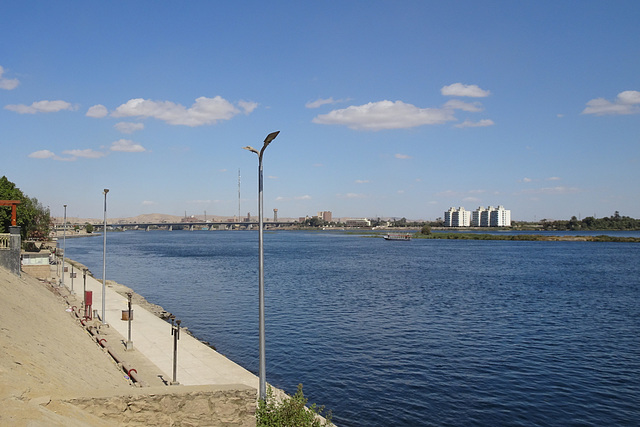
104	256
84	286
64	241
72	275
175	331
129	345
263	361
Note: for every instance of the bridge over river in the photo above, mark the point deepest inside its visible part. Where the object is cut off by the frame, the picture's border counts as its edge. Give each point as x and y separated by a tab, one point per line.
224	225
230	225
148	226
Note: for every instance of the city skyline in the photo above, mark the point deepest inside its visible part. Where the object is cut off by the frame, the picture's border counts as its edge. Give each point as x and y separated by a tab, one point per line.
385	109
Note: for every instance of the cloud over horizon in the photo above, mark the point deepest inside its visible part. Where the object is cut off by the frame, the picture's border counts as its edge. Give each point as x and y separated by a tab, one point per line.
40	107
7	84
127	145
381	115
459	89
204	111
625	103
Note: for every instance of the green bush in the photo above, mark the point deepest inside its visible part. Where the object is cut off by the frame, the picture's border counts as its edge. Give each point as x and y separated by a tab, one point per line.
291	412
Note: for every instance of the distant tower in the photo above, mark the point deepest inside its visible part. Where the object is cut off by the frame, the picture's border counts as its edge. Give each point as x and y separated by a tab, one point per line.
275	215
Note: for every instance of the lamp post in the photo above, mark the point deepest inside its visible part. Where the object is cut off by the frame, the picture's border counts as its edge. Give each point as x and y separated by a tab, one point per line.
263	382
104	255
129	344
64	240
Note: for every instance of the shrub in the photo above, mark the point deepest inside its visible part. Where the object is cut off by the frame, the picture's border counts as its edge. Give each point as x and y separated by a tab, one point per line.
290	412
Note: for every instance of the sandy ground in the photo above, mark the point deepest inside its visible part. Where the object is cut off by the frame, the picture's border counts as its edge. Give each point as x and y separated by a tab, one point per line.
53	372
44	354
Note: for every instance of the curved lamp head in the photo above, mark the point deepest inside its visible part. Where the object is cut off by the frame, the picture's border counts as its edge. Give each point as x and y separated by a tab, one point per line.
270	137
253	150
106	190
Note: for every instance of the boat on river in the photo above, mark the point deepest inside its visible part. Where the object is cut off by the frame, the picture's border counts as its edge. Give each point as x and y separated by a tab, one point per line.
397	236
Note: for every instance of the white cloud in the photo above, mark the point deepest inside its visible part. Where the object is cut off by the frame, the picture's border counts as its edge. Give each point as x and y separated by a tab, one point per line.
625	103
525	179
40	107
320	102
553	178
385	115
459	89
97	111
127	145
204	111
471	199
86	153
248	106
470	124
128	127
362	181
7	84
456	104
42	154
46	154
402	156
148	203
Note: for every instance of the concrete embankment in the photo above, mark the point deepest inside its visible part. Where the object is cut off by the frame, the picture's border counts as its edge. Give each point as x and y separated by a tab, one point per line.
54	373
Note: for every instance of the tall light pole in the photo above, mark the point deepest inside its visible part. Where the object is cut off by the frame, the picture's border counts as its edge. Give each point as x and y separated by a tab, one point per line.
104	255
263	364
64	241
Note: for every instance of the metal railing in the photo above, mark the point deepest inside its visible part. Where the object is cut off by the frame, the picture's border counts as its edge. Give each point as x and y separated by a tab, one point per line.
5	241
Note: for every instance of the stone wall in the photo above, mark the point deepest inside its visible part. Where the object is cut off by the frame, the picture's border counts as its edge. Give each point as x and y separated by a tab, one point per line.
10	258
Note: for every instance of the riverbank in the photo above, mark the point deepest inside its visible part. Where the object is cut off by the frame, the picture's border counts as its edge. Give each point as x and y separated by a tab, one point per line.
526	237
54	373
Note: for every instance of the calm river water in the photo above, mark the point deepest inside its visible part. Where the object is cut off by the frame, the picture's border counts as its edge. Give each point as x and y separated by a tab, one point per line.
426	332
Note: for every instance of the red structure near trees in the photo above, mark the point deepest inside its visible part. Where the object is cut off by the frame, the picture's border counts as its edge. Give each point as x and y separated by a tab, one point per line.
13	204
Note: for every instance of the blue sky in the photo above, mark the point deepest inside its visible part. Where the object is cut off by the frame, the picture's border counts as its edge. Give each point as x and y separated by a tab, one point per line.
385	108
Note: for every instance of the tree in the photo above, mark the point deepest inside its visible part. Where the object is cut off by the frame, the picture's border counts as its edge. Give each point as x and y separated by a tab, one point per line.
89	228
426	230
31	216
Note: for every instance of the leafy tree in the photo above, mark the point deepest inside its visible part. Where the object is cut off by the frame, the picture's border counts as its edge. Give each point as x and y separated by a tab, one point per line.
426	230
32	217
89	228
291	412
314	222
402	222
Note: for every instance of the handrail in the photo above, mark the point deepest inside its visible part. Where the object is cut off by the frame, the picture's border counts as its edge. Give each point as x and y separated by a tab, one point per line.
5	241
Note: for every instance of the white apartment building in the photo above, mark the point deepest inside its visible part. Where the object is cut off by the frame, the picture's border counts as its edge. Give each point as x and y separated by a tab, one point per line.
500	217
481	217
457	217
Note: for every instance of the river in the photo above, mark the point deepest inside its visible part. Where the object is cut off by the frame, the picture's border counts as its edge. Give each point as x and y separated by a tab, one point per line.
419	333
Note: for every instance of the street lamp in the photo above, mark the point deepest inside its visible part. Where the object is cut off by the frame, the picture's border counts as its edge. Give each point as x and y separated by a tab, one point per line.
104	255
64	240
263	382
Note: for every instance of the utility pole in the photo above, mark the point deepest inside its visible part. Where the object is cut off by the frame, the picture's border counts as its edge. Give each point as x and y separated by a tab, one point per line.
238	194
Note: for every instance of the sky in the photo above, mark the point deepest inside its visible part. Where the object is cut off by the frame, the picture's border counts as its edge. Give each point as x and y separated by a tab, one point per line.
385	108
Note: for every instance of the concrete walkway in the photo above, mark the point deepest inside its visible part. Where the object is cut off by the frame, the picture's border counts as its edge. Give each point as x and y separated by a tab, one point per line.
198	364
